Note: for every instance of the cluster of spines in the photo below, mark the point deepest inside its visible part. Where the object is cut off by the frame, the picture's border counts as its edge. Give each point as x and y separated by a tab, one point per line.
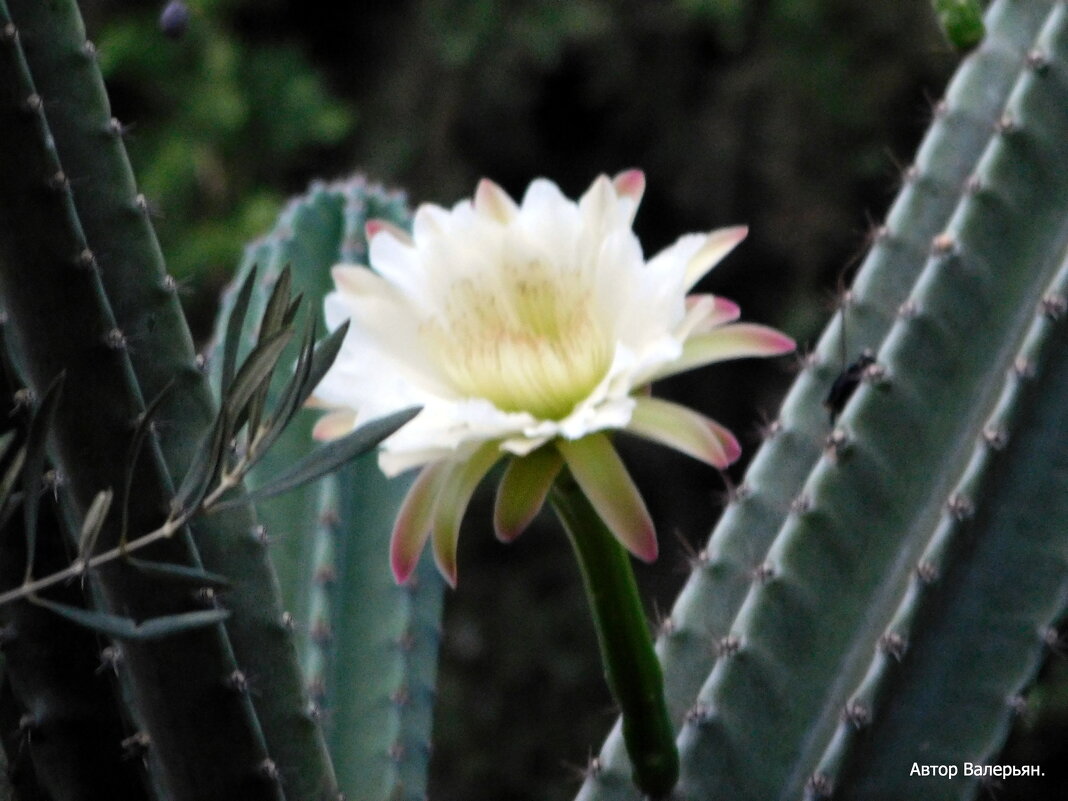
735	558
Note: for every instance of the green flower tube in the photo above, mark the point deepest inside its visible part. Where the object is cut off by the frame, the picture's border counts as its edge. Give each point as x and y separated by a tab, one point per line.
630	663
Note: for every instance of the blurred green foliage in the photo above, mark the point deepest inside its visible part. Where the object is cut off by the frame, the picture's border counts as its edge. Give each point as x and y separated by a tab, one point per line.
218	128
793	116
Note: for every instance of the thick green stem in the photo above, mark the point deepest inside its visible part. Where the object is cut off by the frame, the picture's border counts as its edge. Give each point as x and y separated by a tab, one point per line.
631	665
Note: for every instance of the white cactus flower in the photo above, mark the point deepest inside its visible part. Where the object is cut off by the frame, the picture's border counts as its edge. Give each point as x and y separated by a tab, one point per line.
528	332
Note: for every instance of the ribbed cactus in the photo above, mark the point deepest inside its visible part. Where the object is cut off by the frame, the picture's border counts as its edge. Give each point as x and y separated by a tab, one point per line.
874	601
368	647
797	587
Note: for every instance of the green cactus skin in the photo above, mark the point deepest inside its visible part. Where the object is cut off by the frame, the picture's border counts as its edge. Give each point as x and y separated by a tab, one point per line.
700	622
974	623
840	565
68	719
386	634
144	300
368	647
60	322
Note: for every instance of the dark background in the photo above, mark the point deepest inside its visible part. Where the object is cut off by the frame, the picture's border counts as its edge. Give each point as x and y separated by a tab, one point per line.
795	117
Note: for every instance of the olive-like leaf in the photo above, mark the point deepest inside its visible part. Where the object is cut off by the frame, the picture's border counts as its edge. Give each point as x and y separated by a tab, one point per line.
204	467
233	330
327	458
94	523
255	373
133	454
292	309
9	500
124	628
33	467
275	312
325	354
7	439
289	399
185	575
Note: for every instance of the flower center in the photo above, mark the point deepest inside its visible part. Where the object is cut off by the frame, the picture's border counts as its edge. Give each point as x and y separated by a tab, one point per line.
527	341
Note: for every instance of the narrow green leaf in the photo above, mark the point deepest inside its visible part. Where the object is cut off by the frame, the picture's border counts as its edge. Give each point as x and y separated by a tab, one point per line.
33	468
9	500
292	309
6	441
144	425
277	305
233	331
94	522
255	372
205	466
289	308
325	354
124	628
289	402
327	458
194	577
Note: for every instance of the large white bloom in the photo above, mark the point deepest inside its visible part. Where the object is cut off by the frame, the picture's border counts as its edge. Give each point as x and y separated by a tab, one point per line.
525	331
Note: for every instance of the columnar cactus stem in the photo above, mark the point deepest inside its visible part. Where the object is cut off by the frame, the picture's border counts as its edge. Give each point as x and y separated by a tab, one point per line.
69	719
145	303
368	647
734	557
843	558
61	323
977	618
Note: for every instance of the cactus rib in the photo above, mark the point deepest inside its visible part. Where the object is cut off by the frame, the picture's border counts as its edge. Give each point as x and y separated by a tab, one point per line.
971	630
60	321
702	615
841	561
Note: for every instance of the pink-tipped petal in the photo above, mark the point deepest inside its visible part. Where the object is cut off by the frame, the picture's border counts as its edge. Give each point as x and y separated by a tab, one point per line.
734	341
522	491
494	202
375	227
684	430
706	312
717	245
412	526
456	490
333	425
604	480
356	280
630	183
